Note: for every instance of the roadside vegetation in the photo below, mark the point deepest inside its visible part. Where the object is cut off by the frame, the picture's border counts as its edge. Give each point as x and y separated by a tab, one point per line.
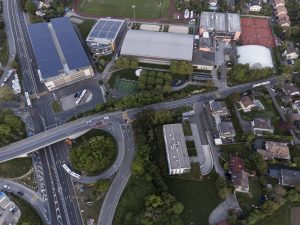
15	168
85	27
28	214
56	106
150	191
3	44
93	152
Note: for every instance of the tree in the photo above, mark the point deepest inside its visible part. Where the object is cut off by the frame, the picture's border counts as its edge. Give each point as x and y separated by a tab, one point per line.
98	107
102	62
259	163
5	130
60	10
103	185
178	208
14	122
297	65
293	195
30	7
93	155
269	207
6	94
138	167
15	64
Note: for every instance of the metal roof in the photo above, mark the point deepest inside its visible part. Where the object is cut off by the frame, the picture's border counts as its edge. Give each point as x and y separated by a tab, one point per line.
176	149
105	28
70	44
57	47
44	50
161	45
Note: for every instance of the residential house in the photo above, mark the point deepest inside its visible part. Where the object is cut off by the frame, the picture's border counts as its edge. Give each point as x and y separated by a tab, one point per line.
277	3
239	177
296	106
261	126
275	150
255	5
218	108
246	103
284	20
290	89
289	177
226	130
281	10
291	53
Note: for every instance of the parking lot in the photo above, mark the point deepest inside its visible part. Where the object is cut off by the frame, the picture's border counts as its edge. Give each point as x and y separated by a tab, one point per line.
71	101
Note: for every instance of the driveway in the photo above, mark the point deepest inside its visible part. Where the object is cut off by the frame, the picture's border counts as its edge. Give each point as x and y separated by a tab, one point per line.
221	212
246	125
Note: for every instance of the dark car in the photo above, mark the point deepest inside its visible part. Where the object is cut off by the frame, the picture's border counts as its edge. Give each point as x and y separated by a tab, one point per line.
20	193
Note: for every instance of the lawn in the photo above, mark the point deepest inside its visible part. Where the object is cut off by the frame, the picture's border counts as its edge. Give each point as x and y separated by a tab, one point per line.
15	168
199	198
143	9
269	112
279	217
194	174
85	27
28	215
128	74
187	129
246	200
239	149
191	148
56	107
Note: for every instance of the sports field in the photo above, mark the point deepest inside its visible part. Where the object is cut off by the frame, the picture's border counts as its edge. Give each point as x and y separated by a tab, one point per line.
144	9
128	86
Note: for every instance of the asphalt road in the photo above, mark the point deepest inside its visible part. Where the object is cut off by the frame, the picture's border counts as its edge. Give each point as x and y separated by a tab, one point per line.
28	195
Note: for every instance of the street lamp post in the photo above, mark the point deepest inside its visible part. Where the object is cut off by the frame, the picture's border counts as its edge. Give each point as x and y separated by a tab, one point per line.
133	8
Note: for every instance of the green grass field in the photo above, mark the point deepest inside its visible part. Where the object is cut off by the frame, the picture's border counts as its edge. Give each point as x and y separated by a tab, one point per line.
15	168
143	9
128	86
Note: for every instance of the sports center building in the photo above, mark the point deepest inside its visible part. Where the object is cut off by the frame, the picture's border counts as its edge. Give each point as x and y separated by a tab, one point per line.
157	47
105	35
60	57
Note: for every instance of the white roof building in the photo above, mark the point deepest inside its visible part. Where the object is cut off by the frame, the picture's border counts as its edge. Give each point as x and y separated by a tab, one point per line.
255	55
159	47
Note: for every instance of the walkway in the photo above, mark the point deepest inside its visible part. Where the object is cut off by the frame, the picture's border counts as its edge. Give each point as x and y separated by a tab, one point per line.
221	212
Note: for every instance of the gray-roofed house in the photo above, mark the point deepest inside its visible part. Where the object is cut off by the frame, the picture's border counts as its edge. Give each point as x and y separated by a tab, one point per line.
60	57
261	126
290	89
105	36
291	53
203	60
289	177
226	130
224	26
157	47
218	108
275	150
177	155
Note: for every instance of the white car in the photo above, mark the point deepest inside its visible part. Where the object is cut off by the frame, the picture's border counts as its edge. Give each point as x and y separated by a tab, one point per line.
6	187
106	117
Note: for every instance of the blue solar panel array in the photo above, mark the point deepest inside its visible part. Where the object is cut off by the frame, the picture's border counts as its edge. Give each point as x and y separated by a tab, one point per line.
44	49
105	29
70	44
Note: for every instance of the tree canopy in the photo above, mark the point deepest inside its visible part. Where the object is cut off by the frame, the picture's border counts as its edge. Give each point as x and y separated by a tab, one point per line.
30	7
93	155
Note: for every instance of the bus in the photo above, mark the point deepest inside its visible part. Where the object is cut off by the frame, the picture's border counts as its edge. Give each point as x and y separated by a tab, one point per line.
27	99
260	84
80	97
69	171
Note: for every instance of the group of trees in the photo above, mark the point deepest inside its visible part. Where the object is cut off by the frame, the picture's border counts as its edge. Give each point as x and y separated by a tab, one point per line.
11	127
93	155
154	205
181	67
126	62
240	73
159	81
224	188
278	196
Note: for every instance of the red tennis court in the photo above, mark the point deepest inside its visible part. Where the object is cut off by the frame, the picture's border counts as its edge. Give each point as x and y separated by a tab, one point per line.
257	31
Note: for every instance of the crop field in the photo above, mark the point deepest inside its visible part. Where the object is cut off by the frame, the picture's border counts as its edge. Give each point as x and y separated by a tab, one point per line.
143	9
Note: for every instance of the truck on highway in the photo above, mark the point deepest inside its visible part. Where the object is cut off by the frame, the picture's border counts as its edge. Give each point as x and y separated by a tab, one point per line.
69	171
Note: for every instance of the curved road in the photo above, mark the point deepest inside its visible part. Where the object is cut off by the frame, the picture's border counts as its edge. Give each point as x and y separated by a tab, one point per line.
29	196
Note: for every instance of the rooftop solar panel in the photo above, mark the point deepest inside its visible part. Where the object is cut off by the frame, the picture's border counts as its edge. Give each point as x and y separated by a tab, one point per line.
69	42
44	50
106	28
